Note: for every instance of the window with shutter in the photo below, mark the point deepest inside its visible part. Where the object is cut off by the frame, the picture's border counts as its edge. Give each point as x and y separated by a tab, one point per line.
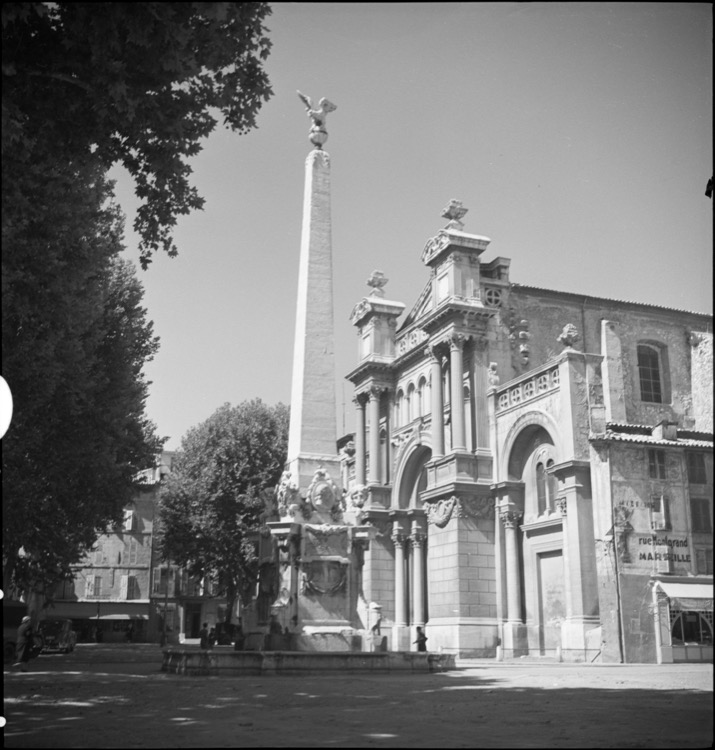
659	513
649	373
89	588
124	587
97	585
129	520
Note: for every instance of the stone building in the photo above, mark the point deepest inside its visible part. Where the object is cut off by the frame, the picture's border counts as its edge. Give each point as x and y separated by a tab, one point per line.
123	586
536	466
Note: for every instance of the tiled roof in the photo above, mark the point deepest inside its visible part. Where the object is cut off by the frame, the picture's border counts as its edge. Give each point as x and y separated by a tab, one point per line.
623	437
528	287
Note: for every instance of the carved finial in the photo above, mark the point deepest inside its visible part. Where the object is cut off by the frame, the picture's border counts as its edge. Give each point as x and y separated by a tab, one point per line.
569	336
377	281
318	132
454	211
492	375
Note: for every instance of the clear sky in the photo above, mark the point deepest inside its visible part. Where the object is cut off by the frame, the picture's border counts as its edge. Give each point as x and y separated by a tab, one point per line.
579	135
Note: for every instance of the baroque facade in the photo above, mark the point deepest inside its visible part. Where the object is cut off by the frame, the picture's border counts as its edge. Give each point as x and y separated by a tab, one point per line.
536	466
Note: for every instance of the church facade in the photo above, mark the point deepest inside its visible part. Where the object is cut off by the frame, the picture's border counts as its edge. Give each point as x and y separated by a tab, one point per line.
536	466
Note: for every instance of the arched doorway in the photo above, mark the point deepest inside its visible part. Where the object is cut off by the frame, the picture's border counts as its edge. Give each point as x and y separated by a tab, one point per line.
541	542
410	545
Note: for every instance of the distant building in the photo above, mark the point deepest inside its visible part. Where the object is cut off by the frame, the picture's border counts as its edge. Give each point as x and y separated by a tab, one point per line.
124	590
537	466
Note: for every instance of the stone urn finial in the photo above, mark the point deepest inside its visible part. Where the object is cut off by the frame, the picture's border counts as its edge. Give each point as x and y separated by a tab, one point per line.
377	281
569	336
454	211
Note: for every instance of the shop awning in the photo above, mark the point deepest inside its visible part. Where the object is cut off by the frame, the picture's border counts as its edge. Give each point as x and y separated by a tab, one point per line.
123	617
694	597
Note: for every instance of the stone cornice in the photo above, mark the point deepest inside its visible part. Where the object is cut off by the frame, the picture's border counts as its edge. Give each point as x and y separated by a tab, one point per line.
383	372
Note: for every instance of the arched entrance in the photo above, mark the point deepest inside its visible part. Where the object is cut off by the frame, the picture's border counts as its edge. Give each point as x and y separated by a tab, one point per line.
541	541
410	546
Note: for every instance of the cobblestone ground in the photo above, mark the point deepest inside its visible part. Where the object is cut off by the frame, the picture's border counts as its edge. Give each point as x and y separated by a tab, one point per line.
116	696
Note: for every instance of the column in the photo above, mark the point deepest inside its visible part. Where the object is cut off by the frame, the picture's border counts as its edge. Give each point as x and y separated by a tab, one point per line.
374	416
359	440
510	519
456	367
418	598
437	402
388	435
562	507
398	540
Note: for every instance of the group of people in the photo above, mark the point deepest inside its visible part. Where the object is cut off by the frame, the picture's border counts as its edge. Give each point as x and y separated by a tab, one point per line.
208	636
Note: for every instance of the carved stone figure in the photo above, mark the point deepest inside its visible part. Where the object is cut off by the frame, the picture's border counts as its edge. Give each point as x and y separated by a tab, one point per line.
492	375
288	495
318	132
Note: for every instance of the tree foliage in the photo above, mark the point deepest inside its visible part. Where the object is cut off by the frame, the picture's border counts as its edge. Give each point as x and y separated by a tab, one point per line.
133	83
212	502
74	341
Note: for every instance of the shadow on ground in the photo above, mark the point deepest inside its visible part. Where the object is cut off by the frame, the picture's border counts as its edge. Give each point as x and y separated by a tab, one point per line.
135	705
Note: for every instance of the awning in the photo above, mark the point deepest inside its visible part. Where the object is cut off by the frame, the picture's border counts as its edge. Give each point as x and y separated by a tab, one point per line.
123	617
694	597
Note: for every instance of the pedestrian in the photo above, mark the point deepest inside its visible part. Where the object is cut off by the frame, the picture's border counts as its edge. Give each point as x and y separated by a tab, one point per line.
204	636
24	643
239	636
212	637
274	627
421	640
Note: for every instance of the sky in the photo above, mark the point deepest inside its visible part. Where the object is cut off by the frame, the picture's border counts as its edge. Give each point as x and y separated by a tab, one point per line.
578	135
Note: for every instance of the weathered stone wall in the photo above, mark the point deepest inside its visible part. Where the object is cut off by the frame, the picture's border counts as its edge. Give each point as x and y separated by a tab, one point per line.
688	389
378	576
702	380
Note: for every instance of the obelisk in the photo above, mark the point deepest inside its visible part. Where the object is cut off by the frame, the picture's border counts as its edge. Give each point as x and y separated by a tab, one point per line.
312	437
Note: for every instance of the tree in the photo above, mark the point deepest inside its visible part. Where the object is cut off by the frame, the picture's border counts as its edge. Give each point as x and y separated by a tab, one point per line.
137	84
211	504
74	342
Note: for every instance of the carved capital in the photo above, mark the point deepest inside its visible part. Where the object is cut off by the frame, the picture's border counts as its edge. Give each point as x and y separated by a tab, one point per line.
457	341
398	538
418	538
510	518
562	506
434	351
359	400
375	392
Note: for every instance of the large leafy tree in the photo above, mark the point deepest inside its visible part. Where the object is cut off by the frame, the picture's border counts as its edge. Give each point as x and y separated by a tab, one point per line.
139	84
74	341
212	503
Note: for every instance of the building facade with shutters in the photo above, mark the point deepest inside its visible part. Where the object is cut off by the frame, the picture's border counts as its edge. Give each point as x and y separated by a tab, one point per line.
537	466
123	589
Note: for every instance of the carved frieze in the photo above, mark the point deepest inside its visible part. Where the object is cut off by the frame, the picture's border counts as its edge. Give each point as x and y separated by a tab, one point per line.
441	512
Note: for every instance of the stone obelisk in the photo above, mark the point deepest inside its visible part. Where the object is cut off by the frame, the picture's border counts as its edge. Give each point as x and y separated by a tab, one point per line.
312	437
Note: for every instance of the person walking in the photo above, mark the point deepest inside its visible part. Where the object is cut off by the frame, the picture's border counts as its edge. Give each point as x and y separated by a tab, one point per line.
24	643
239	636
204	636
421	639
